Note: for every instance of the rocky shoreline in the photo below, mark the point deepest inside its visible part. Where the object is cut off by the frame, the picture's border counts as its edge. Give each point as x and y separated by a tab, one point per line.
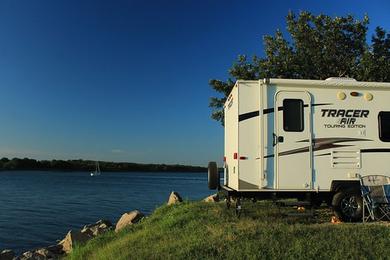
87	233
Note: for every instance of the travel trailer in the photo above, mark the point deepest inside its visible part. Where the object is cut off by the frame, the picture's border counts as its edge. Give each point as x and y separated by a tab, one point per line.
308	139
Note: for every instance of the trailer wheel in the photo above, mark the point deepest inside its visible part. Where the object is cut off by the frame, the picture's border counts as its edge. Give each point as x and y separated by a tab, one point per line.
213	176
348	205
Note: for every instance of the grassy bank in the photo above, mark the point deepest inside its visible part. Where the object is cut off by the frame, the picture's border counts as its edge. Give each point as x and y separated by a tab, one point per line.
199	230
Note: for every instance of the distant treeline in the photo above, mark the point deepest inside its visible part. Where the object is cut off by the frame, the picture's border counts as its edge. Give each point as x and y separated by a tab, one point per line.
88	165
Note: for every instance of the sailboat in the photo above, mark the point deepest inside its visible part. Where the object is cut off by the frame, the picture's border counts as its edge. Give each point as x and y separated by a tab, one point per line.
97	170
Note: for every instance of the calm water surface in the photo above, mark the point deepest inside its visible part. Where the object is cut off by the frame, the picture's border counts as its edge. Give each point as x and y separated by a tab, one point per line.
37	208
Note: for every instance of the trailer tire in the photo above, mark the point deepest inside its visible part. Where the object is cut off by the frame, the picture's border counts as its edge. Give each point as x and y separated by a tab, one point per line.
348	205
213	176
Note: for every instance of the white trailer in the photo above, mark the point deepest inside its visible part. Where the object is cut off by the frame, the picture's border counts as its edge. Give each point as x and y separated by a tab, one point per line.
309	139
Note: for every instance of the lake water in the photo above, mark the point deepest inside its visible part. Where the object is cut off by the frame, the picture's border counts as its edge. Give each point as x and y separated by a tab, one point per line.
37	208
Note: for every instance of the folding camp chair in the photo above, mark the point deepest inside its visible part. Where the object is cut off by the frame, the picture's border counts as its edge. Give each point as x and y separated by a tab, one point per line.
376	197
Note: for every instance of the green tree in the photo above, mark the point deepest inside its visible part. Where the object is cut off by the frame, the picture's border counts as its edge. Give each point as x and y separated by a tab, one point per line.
320	47
375	65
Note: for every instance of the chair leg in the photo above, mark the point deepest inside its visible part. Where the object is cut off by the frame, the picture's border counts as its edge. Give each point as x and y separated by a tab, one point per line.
364	211
372	214
367	209
387	212
383	212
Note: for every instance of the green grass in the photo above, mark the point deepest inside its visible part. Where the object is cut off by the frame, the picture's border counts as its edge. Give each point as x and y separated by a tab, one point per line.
198	230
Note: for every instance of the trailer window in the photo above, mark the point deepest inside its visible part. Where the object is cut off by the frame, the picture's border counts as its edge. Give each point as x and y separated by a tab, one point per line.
293	115
384	126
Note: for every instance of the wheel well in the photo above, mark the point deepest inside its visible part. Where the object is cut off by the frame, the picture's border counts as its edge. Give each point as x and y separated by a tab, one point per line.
343	185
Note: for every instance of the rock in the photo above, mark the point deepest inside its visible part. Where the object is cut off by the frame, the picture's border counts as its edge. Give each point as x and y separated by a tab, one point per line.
128	218
174	198
79	237
105	222
27	255
7	254
43	253
74	237
212	198
50	252
98	228
46	253
55	249
33	255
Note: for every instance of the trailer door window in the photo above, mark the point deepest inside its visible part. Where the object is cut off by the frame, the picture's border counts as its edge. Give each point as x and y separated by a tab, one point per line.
384	126
293	115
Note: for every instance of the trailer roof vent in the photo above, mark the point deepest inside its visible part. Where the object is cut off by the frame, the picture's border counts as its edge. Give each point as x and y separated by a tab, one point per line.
340	79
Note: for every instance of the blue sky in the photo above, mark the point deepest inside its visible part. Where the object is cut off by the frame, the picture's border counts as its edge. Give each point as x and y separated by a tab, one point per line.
128	80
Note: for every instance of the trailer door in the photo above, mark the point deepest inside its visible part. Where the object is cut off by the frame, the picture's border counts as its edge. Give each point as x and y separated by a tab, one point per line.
293	140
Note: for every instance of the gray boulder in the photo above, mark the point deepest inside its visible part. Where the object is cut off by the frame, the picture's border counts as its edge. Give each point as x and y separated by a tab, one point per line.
55	250
46	253
29	255
98	228
174	198
74	237
128	218
212	198
7	254
33	255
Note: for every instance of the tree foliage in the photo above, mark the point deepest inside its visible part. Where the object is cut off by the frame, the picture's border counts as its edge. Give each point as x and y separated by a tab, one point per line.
319	47
88	165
